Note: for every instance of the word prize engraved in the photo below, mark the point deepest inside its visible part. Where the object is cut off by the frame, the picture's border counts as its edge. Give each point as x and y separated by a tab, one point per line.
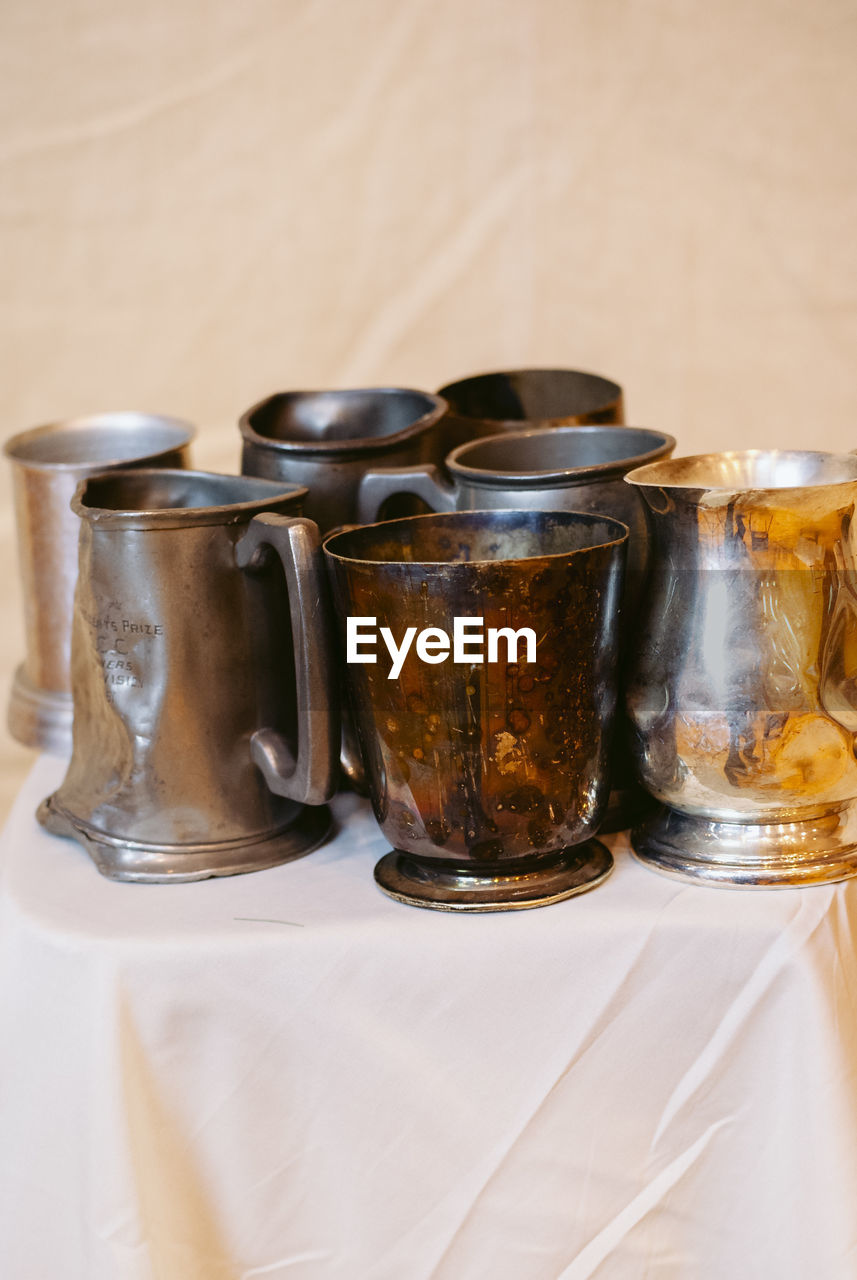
117	641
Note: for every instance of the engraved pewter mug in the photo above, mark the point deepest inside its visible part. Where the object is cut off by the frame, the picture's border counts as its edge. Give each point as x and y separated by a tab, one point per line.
48	463
205	719
743	697
486	760
486	404
326	440
561	469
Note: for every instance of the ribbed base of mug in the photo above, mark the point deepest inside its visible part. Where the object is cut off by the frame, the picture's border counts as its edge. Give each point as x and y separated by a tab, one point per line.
745	855
535	882
119	859
39	718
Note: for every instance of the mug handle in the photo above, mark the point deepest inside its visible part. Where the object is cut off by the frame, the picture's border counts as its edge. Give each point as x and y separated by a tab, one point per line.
426	482
311	775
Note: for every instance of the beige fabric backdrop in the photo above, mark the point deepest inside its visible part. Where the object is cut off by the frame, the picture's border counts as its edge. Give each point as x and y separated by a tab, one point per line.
203	202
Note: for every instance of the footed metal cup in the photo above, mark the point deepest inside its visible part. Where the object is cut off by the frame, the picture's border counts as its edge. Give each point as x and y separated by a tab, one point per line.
48	464
486	755
743	696
205	721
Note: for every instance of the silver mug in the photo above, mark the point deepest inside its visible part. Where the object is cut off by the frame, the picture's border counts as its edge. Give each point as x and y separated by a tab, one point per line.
743	693
486	404
205	727
327	439
48	463
561	469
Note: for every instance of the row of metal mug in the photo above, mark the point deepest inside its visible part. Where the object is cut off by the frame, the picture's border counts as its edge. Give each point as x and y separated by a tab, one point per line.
489	780
322	440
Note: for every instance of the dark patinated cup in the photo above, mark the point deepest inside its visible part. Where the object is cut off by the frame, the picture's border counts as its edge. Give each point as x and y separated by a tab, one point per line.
485	742
485	404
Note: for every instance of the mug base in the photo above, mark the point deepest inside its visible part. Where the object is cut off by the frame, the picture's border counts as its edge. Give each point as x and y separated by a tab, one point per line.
816	850
127	860
446	886
39	718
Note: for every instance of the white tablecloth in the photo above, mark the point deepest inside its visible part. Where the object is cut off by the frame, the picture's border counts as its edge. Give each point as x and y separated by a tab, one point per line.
287	1075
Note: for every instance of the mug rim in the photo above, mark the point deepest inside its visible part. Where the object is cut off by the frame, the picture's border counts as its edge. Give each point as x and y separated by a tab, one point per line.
570	518
279	493
656	475
613	391
492	478
120	422
436	408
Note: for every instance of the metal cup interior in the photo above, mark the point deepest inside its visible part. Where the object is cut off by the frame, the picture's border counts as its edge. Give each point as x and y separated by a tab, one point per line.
471	537
99	440
333	420
161	495
558	455
535	395
749	470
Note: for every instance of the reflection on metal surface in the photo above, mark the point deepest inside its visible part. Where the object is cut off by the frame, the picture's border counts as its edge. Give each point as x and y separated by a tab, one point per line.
205	712
48	463
743	696
486	770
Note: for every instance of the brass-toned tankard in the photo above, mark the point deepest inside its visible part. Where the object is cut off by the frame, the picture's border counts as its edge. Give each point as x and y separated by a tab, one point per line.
48	464
205	728
743	693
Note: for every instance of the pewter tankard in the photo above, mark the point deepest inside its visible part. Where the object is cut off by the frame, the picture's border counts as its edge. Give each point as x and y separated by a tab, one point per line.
205	727
48	463
486	404
326	440
743	695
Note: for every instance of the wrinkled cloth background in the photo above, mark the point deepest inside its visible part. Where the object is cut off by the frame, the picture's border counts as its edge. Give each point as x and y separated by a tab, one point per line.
204	203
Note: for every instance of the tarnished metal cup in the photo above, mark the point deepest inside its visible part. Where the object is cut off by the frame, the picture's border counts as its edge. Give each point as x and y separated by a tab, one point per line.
486	760
486	404
48	463
565	469
206	727
326	440
743	694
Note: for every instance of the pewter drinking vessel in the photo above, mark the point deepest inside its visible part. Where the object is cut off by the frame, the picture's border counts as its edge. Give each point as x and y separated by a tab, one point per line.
48	463
562	469
743	696
327	439
205	727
